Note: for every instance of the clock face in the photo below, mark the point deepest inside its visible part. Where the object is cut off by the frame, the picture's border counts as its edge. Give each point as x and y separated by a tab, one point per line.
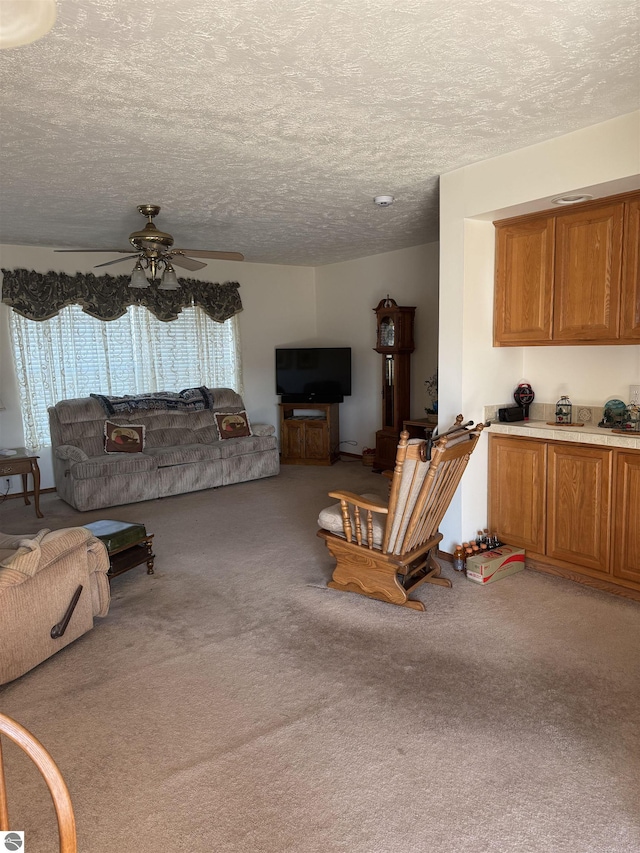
387	332
394	328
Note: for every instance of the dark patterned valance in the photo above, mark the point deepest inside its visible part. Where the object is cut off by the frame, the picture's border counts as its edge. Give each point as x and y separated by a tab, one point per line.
39	296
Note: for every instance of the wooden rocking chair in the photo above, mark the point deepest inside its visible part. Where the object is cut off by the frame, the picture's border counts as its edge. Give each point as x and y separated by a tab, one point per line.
386	551
52	776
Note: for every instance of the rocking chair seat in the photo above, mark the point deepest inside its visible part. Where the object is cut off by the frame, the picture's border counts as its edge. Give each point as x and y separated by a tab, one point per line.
330	518
384	550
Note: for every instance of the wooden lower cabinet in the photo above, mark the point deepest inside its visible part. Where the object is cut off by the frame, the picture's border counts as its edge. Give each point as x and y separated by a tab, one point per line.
518	488
312	438
626	518
579	505
574	508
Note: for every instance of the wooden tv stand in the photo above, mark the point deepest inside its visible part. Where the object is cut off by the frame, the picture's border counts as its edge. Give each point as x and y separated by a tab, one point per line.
309	433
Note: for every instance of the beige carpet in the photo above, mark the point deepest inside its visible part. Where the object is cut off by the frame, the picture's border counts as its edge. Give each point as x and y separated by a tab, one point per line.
232	703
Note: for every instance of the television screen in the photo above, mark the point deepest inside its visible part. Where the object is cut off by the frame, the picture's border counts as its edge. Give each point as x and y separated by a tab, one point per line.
313	375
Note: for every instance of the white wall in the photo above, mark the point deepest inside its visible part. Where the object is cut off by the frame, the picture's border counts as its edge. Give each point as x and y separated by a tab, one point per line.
283	305
603	159
346	294
278	303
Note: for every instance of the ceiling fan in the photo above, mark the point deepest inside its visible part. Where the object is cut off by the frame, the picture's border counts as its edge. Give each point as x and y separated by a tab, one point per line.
154	252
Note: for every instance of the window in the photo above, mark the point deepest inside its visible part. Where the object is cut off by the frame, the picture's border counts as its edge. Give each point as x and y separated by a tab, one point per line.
74	355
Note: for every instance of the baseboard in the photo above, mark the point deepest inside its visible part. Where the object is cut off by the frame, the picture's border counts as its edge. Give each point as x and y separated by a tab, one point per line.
21	494
603	585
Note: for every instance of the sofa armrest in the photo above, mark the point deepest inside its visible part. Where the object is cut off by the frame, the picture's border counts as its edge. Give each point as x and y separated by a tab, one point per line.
13	540
98	565
263	429
24	561
68	452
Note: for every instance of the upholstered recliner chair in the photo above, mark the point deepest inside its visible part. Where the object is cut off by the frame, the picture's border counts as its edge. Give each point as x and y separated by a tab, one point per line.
52	584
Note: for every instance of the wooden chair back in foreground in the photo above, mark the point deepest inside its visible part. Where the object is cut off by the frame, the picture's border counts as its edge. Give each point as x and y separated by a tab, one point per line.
52	776
383	550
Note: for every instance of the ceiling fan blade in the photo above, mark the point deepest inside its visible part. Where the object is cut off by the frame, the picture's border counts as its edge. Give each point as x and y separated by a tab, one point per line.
117	261
186	263
204	253
120	251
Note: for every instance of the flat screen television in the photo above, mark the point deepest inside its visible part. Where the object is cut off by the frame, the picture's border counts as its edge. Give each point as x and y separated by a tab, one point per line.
313	374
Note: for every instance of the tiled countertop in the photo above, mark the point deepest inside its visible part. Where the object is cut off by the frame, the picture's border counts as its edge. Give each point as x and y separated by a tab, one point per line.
588	434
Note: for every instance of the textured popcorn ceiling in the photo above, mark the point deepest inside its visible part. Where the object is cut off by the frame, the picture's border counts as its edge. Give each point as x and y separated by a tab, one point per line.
267	126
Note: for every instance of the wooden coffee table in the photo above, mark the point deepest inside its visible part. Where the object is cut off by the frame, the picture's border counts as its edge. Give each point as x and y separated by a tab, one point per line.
128	545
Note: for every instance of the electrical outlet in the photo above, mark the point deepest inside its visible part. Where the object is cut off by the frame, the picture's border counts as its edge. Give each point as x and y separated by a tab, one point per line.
634	393
7	483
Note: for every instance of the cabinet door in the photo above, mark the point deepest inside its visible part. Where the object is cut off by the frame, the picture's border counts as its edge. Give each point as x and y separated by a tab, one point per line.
524	282
588	271
517	491
578	505
630	303
626	516
292	438
316	439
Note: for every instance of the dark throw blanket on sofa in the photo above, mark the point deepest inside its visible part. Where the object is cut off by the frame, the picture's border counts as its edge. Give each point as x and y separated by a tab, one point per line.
189	400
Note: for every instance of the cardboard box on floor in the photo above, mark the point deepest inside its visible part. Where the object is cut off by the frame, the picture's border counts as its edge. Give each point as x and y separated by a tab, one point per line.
496	564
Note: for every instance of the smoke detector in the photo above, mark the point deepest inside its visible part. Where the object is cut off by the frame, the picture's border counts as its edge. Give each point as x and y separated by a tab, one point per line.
383	200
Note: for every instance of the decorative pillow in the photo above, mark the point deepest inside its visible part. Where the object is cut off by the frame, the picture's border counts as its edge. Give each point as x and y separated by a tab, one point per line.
232	424
123	438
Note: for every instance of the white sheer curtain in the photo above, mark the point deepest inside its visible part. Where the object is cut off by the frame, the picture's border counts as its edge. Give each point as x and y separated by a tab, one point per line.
74	355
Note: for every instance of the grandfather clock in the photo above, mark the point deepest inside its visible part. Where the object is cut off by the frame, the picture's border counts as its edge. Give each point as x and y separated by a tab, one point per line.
395	344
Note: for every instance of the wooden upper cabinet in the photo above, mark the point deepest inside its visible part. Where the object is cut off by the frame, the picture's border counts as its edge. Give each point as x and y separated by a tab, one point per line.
524	281
630	305
569	277
588	273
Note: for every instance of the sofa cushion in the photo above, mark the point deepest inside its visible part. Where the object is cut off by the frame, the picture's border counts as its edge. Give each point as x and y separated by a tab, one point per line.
113	463
207	435
119	438
183	454
249	444
232	425
169	437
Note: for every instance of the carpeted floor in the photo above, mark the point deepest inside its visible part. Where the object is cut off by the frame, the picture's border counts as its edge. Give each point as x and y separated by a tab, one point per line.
233	704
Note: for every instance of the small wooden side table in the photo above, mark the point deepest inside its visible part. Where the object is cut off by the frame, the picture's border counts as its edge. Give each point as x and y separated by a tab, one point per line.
419	428
25	463
128	544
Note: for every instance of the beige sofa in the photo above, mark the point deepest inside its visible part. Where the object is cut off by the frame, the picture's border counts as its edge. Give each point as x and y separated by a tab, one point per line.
39	578
182	452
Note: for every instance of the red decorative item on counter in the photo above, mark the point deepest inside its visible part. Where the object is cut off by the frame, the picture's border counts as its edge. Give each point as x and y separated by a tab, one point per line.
524	396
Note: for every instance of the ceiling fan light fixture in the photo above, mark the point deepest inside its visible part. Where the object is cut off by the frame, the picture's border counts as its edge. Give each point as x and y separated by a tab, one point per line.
138	277
169	280
24	21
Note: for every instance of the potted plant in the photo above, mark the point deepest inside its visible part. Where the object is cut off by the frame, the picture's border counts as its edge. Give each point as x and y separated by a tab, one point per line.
431	384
